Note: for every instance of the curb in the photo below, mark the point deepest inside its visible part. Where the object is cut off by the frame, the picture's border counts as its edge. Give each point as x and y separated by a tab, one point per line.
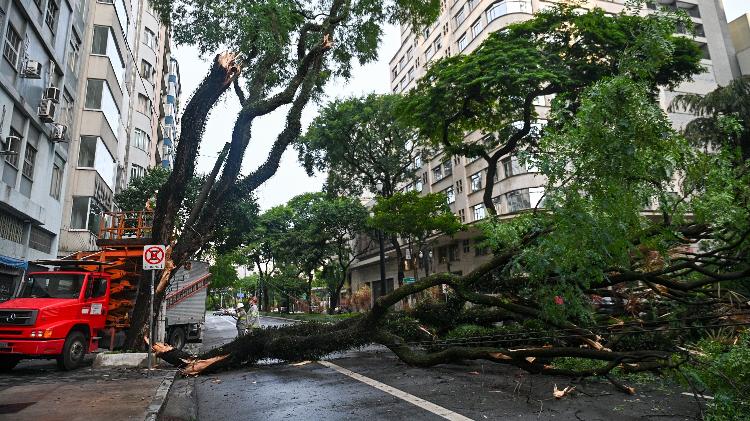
160	398
283	319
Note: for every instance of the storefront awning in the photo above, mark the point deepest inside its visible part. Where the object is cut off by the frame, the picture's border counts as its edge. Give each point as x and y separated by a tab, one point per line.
13	263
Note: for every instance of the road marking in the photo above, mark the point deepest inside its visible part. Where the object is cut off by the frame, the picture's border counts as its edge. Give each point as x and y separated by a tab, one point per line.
700	396
426	405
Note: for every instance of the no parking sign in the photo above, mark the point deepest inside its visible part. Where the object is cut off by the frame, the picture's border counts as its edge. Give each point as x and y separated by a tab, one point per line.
153	256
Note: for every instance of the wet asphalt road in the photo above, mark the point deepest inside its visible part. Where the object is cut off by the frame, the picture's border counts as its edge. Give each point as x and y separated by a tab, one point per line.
474	390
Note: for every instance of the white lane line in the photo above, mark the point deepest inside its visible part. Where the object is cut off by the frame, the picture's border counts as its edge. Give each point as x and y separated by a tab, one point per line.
426	405
700	396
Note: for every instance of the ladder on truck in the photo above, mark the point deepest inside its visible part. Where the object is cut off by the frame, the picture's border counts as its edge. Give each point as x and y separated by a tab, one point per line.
121	238
182	293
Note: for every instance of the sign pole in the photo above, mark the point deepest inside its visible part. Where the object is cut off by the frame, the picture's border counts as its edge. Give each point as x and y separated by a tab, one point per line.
151	324
153	259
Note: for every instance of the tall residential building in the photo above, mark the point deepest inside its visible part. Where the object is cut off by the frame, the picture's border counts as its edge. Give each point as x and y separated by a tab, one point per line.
740	32
125	59
460	29
39	82
170	123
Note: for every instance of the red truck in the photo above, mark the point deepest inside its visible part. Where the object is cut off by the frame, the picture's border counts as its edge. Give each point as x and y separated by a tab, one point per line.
87	300
58	314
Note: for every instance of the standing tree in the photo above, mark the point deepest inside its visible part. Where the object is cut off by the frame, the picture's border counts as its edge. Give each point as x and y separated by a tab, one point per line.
561	52
341	219
284	51
364	147
415	219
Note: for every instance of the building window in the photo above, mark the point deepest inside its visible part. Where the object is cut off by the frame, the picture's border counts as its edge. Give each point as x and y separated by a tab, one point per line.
460	16
394	73
508	6
437	173
57	176
141	140
480	249
14	146
41	240
476	29
428	54
86	213
74	53
104	44
12	45
460	186
524	199
409	53
29	159
51	17
92	153
411	74
438	44
467	246
143	105
99	97
404	83
136	171
462	42
511	166
462	215
478	211
149	38
147	71
67	108
402	63
450	195
447	168
476	182
11	228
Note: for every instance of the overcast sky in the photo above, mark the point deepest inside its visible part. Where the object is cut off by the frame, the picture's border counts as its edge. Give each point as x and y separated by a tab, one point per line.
291	180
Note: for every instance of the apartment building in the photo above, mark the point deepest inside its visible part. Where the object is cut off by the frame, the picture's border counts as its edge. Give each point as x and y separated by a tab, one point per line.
38	86
126	57
461	28
739	29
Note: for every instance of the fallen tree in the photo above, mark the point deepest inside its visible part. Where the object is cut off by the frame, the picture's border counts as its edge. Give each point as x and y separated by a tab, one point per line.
608	153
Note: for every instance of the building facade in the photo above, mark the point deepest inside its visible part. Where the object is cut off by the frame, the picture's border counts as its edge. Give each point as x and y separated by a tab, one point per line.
739	29
461	28
38	87
125	60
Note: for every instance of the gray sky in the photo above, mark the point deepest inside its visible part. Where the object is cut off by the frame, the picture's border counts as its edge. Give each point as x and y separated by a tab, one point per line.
291	180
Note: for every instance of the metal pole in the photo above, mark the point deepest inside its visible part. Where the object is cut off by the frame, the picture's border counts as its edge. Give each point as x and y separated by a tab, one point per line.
151	323
382	264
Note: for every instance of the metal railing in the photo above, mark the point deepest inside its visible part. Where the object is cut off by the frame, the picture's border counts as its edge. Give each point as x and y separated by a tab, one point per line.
126	225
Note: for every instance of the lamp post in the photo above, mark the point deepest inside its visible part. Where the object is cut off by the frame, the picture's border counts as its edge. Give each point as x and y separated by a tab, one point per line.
379	186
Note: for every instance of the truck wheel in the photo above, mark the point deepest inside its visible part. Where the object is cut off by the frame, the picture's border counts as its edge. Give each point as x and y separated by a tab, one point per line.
73	351
7	363
177	337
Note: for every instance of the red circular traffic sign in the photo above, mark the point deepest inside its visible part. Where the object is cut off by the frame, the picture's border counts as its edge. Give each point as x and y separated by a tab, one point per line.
153	255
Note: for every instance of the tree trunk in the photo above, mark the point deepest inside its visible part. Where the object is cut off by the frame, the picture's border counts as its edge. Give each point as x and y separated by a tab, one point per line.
399	262
309	292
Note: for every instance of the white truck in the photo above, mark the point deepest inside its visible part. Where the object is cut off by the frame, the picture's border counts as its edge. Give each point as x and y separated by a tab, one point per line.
186	304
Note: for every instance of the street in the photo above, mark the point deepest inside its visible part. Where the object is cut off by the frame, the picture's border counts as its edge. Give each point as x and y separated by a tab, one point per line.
373	384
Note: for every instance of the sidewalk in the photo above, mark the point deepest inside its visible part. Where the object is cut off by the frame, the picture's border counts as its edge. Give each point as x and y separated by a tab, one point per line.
85	394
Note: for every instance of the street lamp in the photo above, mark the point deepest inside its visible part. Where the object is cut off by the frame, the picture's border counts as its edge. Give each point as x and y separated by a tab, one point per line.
379	186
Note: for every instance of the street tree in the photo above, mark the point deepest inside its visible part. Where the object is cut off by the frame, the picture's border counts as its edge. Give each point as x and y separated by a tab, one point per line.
279	55
365	147
493	91
341	220
417	220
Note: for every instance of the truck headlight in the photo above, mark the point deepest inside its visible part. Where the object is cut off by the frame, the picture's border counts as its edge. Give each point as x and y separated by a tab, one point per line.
47	333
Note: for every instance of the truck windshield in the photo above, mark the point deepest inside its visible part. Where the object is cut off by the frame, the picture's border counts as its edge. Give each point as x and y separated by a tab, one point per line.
52	285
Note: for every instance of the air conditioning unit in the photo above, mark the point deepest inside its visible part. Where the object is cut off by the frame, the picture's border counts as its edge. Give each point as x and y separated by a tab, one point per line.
58	132
32	69
53	94
46	111
6	143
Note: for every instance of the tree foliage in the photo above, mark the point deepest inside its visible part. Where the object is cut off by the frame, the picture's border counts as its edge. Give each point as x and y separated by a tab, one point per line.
560	51
362	145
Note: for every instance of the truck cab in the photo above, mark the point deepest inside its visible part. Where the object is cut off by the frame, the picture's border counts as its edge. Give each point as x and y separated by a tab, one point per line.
57	314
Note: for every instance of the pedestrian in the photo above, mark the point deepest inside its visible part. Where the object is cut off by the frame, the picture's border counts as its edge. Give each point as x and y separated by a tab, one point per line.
254	314
241	320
